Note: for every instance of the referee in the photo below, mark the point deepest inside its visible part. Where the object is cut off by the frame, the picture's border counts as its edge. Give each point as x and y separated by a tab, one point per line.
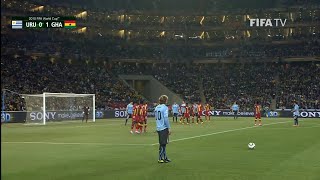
163	128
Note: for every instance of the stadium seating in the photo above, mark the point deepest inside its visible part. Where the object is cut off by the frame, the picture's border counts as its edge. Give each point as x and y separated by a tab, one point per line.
26	75
38	60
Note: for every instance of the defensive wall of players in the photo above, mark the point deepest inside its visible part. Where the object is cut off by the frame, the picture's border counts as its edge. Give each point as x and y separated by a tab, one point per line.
21	116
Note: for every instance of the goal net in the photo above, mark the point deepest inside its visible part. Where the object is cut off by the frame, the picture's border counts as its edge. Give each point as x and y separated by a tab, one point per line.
53	107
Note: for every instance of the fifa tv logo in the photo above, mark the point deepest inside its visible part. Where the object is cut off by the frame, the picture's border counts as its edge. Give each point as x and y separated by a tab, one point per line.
268	22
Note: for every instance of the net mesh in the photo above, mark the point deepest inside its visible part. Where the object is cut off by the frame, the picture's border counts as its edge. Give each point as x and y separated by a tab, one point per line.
58	107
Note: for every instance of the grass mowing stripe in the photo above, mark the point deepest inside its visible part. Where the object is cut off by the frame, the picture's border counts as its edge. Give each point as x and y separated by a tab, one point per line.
221	132
70	143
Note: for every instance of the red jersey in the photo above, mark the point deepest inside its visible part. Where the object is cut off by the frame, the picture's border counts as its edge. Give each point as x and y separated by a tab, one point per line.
136	110
207	107
257	109
187	110
145	110
191	110
140	112
199	109
187	113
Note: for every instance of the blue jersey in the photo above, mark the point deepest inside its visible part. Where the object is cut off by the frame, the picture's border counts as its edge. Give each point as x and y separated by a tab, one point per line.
175	108
296	110
129	108
162	117
235	107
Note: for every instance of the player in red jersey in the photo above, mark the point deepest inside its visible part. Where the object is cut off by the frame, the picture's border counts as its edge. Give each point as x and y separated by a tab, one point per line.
207	110
145	115
187	113
191	112
141	118
135	117
257	114
199	113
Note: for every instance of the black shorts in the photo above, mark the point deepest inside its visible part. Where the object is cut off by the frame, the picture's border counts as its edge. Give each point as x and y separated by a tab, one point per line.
195	115
130	115
235	113
175	114
163	136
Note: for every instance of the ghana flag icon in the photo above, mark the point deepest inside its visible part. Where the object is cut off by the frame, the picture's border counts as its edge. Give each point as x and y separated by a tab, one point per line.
70	24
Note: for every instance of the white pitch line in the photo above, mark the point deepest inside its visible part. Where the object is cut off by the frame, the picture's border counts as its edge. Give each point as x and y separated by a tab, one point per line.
80	126
66	143
221	132
106	125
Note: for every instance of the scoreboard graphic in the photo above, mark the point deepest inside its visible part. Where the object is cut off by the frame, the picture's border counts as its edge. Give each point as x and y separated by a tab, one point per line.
33	22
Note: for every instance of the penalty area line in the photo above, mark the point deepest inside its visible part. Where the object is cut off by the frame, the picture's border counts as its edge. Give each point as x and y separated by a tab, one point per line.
70	143
222	132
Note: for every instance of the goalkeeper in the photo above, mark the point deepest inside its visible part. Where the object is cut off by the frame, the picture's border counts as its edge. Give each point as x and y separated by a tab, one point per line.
85	113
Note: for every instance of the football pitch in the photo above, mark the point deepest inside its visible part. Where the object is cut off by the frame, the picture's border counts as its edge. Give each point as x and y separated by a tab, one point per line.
213	150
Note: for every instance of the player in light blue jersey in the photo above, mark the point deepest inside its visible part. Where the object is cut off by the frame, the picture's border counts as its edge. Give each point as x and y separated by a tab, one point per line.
163	127
175	111
296	113
129	111
235	110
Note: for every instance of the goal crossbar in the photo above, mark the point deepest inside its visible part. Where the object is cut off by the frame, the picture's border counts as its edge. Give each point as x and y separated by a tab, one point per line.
69	95
58	95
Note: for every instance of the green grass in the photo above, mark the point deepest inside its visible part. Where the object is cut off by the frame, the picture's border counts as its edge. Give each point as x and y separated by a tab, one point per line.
106	150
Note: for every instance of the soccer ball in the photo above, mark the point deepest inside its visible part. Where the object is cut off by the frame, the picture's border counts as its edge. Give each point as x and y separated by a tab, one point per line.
251	145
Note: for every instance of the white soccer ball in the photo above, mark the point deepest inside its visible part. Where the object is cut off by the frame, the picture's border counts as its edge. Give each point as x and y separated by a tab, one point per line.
251	145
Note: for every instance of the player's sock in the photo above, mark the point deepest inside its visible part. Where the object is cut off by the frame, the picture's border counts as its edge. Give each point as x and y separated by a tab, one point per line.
161	151
164	152
126	120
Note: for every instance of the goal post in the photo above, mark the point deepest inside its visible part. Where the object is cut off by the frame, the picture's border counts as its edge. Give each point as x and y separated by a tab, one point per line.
53	107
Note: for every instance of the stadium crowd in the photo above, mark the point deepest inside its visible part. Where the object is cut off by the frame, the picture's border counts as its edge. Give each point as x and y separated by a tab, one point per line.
78	46
245	83
23	73
26	75
179	78
222	83
300	82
